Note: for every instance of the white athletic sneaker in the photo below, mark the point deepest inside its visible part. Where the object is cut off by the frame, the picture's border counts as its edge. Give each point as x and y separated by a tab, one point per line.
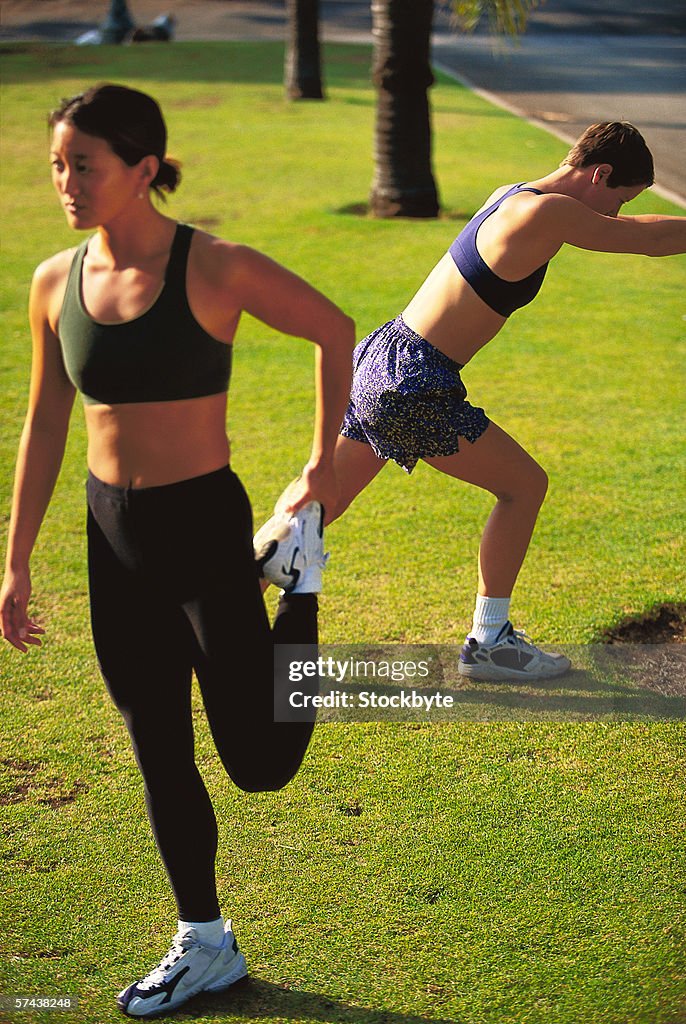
188	968
290	549
512	656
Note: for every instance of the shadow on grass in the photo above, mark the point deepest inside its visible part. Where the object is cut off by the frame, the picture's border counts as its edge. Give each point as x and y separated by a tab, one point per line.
256	999
607	682
220	62
362	209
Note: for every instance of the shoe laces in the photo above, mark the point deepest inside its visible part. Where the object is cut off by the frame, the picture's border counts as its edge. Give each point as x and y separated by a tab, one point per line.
181	943
522	637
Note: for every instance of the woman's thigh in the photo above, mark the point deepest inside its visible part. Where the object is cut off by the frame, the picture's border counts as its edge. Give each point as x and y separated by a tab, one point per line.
495	462
144	649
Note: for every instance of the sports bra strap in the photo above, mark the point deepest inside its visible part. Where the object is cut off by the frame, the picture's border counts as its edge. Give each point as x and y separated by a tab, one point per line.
175	274
502	296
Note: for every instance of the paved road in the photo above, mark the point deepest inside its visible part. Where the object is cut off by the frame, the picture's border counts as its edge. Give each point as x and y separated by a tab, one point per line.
580	60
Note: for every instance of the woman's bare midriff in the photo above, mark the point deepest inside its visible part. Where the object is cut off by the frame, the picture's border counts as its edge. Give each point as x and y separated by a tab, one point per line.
151	444
450	315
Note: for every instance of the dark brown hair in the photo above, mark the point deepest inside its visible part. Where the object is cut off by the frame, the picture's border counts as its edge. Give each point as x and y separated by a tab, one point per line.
619	144
129	120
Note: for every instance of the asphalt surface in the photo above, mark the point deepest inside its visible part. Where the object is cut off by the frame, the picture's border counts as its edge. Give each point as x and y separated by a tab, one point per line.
580	61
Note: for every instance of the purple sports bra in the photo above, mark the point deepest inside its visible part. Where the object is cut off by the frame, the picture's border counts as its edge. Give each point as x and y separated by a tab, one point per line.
502	296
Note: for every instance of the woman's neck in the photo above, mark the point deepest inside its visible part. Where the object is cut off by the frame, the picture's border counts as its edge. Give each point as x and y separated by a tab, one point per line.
135	240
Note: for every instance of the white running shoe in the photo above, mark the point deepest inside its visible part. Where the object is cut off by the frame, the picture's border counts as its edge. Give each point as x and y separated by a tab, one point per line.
289	549
188	968
512	656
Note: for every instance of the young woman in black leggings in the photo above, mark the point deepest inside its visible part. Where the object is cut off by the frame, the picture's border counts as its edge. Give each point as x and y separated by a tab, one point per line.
140	319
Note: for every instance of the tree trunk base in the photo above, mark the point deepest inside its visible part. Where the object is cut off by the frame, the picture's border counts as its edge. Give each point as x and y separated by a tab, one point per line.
305	91
418	205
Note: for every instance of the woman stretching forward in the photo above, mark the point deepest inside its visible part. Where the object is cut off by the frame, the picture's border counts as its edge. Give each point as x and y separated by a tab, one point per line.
408	401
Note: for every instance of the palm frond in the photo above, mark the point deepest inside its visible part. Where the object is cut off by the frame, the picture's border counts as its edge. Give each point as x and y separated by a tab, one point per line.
506	17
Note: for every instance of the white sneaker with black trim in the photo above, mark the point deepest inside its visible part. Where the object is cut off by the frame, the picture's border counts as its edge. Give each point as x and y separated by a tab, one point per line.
511	656
289	549
188	968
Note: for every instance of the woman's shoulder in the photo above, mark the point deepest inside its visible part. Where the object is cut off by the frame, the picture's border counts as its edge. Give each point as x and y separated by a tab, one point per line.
210	246
53	271
217	259
501	191
49	285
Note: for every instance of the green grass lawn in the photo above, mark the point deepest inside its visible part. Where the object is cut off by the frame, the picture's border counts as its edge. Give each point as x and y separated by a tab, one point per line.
477	873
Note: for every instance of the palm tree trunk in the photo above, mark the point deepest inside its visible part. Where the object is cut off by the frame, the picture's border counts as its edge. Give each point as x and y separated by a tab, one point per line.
303	77
403	184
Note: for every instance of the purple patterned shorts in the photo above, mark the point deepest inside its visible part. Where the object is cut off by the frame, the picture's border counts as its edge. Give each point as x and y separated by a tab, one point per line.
407	399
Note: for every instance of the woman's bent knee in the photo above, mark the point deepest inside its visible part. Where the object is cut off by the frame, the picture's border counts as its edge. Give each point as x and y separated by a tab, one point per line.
274	764
540	482
531	487
263	782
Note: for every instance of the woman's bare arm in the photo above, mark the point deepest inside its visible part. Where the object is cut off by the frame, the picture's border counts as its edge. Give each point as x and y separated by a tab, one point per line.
41	449
564	219
256	284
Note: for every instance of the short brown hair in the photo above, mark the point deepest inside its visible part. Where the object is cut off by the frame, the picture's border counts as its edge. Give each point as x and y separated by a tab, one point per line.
619	144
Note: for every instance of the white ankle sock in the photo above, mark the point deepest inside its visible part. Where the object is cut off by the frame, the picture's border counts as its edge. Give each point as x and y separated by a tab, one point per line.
490	615
210	933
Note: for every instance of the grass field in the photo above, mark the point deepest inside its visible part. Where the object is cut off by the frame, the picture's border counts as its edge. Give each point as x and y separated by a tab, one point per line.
502	873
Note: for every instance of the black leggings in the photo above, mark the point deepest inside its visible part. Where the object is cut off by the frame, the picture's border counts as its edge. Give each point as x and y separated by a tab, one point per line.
174	588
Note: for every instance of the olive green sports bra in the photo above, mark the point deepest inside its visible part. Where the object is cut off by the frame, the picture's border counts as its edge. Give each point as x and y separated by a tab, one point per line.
163	355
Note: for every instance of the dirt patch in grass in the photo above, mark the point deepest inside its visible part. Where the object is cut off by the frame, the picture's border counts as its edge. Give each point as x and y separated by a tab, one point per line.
24	786
59	797
665	624
21	774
